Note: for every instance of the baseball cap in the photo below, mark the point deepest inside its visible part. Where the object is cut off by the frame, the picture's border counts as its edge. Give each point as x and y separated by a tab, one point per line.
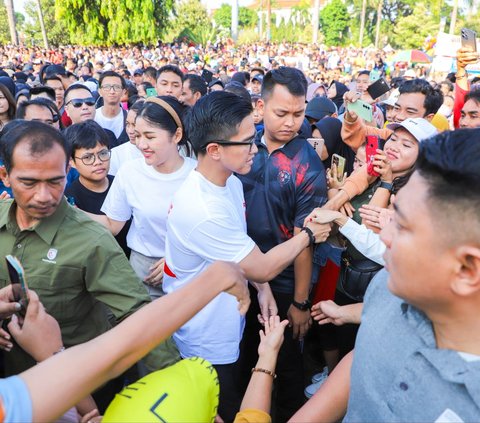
138	72
420	128
392	99
319	107
258	77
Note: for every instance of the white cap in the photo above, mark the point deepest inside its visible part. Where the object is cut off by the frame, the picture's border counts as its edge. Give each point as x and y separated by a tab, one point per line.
392	99
410	73
420	128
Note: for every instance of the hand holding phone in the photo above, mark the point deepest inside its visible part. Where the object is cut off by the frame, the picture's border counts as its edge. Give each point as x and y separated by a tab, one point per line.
362	109
371	149
18	282
378	88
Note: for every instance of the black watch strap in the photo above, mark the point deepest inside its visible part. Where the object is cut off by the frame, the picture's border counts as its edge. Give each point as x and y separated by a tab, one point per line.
386	185
304	306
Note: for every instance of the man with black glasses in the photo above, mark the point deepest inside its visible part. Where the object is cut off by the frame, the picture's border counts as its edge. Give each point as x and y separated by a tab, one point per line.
111	115
207	223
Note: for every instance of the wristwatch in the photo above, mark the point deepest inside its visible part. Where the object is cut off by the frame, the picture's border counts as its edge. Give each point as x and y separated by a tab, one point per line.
304	306
386	185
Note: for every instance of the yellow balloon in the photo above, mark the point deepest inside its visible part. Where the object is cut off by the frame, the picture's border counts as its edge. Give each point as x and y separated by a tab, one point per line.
188	391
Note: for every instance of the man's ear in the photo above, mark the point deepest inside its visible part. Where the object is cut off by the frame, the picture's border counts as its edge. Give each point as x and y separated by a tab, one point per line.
213	151
429	117
197	95
261	107
466	280
71	163
4	176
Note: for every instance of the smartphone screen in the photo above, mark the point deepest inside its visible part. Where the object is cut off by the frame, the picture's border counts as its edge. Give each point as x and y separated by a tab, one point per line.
371	150
151	92
339	162
17	280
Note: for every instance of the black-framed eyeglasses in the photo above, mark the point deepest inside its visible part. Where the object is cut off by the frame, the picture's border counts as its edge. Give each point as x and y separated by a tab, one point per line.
227	143
79	102
89	159
115	87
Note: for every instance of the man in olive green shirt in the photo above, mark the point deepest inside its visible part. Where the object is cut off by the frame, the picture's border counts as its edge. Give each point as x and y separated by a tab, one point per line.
72	262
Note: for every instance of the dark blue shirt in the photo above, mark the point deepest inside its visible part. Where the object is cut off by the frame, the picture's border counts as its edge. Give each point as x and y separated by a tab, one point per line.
280	191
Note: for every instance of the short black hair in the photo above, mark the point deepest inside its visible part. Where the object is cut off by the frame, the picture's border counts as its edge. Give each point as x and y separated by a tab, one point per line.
433	96
85	135
74	87
151	72
22	107
197	84
450	164
52	77
114	74
40	136
215	116
171	68
238	89
473	95
40	89
293	79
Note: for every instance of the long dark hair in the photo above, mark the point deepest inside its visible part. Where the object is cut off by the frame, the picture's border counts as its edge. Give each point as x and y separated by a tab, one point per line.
12	106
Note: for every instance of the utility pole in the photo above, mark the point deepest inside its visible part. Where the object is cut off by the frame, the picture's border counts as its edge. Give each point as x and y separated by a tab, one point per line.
42	24
379	19
234	28
453	20
316	12
269	18
11	21
362	22
260	29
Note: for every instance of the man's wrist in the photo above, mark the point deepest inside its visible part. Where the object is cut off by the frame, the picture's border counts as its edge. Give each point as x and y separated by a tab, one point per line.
304	305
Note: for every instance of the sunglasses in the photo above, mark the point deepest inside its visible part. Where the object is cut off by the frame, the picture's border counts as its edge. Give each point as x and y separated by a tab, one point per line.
79	102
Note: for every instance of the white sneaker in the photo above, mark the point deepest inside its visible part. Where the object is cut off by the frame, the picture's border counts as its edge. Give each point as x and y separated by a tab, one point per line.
318	381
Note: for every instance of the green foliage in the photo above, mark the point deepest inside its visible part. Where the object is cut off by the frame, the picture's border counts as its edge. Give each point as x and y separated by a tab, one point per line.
411	31
56	30
104	22
190	16
334	22
4	29
288	31
248	36
247	18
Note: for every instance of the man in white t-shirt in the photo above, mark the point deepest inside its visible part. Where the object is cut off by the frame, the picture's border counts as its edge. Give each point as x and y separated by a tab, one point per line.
111	115
207	223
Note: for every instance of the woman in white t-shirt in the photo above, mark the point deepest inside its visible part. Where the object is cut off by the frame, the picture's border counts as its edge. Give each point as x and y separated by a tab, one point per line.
143	188
128	150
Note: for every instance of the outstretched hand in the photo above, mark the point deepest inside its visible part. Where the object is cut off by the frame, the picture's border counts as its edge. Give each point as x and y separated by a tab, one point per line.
271	337
233	274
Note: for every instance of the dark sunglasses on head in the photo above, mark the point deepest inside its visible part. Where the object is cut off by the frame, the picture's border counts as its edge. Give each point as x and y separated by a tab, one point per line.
79	102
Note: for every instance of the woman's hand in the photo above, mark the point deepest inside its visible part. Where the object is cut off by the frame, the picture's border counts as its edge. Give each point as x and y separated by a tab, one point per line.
383	166
155	277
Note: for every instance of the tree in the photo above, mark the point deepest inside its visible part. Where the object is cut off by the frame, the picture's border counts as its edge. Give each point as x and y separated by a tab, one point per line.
56	29
114	21
411	31
247	18
190	16
334	22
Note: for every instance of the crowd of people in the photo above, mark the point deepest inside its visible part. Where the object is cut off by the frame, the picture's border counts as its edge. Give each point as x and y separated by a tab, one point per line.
168	204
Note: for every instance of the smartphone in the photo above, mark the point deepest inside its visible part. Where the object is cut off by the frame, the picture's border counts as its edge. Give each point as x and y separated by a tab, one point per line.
339	161
469	38
362	109
374	75
371	150
18	282
151	92
378	88
317	144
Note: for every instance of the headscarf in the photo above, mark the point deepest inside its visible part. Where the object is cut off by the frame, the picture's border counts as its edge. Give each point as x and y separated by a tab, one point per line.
341	89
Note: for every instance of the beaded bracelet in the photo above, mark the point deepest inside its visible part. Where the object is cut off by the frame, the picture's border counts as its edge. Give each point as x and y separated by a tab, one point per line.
268	372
